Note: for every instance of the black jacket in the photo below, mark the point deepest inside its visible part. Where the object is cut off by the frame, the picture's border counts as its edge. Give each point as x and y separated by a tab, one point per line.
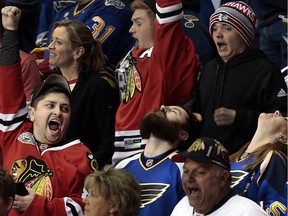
28	25
250	84
93	115
267	11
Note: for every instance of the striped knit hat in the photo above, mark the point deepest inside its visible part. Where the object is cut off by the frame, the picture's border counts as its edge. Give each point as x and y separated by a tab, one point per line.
239	16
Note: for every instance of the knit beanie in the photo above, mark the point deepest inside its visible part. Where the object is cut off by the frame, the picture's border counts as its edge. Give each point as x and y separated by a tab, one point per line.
239	16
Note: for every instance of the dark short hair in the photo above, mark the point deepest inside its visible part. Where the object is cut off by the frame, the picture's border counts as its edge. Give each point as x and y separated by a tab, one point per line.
192	127
7	186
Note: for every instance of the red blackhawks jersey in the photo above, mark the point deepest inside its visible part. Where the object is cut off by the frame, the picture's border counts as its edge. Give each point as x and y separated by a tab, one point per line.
56	174
164	74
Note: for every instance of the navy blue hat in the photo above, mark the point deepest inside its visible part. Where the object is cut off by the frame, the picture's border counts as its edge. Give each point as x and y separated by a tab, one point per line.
206	150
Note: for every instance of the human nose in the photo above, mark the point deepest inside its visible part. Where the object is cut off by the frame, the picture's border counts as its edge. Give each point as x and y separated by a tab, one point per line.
51	45
190	177
84	200
277	113
163	108
218	32
57	110
131	30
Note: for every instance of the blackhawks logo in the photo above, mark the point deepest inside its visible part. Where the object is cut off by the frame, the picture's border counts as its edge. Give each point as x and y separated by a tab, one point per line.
35	174
133	81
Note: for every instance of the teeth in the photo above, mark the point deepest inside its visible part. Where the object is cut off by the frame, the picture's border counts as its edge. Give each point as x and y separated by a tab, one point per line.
54	125
193	191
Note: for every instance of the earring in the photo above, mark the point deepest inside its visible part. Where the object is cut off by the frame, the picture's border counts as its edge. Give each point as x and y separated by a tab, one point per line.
75	63
111	212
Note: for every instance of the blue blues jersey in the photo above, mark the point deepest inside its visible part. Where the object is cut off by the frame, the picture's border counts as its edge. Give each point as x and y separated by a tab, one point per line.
160	182
109	22
265	185
196	29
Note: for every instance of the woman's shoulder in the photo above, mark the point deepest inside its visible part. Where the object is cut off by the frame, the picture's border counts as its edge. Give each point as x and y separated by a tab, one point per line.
274	160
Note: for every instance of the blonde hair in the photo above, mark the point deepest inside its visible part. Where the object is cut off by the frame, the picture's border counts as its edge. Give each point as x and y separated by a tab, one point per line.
118	186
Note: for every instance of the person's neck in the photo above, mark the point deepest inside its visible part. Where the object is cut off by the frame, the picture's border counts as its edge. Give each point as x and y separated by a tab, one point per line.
155	147
70	73
259	139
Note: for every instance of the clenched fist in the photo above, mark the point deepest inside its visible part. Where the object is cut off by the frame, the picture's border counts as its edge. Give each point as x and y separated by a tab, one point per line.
10	17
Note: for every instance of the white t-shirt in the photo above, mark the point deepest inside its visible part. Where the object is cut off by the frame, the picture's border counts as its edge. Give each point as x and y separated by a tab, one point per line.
236	206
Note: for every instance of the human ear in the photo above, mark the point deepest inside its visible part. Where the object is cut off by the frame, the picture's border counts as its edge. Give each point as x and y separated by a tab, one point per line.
113	209
183	135
282	139
79	52
32	113
9	204
225	177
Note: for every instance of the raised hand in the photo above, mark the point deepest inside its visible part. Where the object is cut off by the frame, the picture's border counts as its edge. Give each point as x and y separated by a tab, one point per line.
10	17
224	116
